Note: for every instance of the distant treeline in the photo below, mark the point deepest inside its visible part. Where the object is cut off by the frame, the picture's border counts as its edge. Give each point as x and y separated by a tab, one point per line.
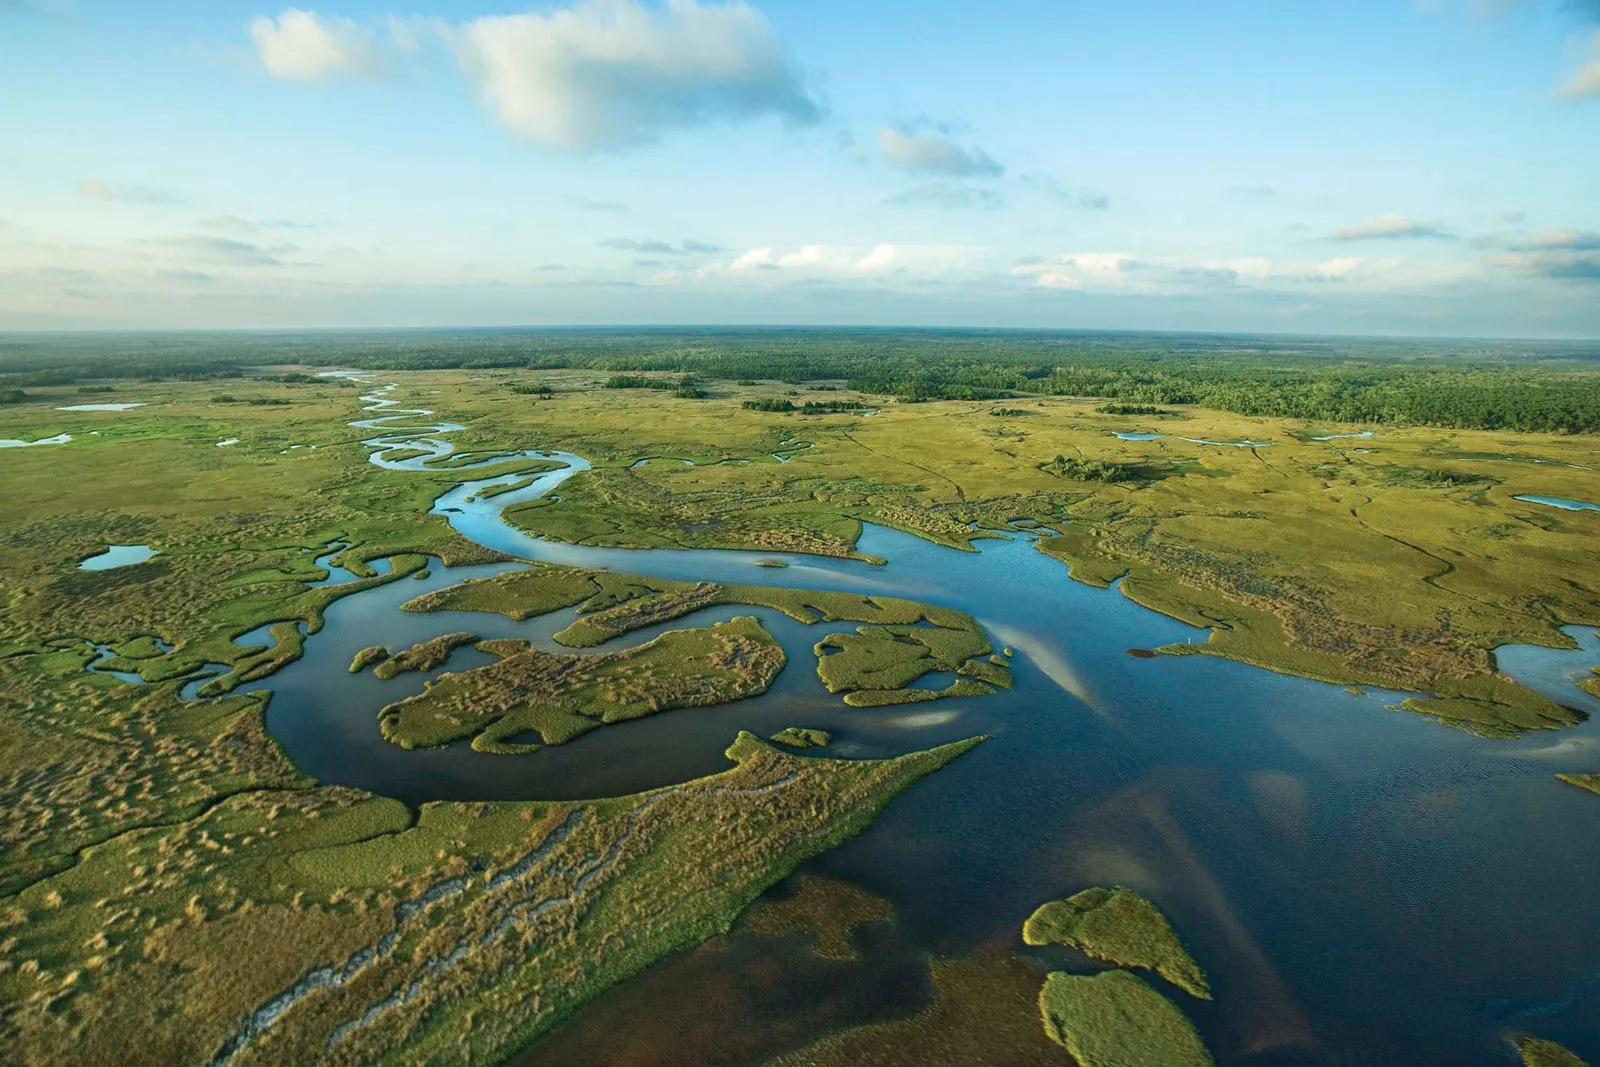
810	407
1131	409
1548	386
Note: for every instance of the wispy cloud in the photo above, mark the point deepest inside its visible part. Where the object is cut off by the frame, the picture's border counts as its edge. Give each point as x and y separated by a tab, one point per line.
932	152
584	203
950	195
238	224
127	194
1390	228
226	251
1557	254
611	73
1120	272
1581	266
660	248
1079	198
1585	84
1564	240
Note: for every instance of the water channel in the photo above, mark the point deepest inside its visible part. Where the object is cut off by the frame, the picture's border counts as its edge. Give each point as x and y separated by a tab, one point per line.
1363	884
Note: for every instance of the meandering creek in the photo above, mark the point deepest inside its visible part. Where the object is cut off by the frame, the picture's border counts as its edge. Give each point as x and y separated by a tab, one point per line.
1363	885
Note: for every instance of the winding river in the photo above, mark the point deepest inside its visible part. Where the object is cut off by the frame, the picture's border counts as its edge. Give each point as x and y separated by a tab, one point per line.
1364	885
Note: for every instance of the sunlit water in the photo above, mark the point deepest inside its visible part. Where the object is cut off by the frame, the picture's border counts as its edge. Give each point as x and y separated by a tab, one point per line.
118	556
1561	502
1364	885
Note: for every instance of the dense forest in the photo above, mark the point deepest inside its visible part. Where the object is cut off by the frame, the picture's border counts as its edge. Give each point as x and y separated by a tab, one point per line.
1547	386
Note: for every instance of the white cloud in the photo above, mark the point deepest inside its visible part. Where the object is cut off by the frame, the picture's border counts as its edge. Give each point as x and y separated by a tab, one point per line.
1336	270
1085	270
305	46
1585	84
1121	272
606	73
1389	227
839	261
933	153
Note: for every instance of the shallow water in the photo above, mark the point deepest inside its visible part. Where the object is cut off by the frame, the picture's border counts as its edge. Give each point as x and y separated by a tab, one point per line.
1364	886
118	556
100	407
1561	502
1198	440
58	439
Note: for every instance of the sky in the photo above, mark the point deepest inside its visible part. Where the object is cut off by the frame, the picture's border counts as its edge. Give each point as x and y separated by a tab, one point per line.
1410	167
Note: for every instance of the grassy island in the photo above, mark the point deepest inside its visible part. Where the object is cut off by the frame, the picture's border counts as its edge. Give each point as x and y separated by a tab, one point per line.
1120	927
802	737
424	656
1590	782
366	657
1539	1052
873	667
1113	1019
561	696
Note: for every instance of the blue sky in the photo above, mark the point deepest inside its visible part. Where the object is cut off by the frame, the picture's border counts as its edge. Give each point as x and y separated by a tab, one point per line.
1408	167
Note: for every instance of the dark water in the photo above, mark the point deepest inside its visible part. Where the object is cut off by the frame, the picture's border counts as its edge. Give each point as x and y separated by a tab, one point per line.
1363	885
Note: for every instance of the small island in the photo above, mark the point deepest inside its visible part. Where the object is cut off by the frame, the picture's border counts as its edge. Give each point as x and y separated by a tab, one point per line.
1120	927
1113	1019
802	737
367	657
1539	1052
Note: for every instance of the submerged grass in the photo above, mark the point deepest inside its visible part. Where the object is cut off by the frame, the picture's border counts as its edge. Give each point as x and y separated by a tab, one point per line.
824	908
985	1013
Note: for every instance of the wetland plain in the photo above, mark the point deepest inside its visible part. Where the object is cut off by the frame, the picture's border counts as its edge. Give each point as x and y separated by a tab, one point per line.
346	724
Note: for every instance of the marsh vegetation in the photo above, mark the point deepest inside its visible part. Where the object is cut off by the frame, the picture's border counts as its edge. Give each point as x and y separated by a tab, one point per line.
152	840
